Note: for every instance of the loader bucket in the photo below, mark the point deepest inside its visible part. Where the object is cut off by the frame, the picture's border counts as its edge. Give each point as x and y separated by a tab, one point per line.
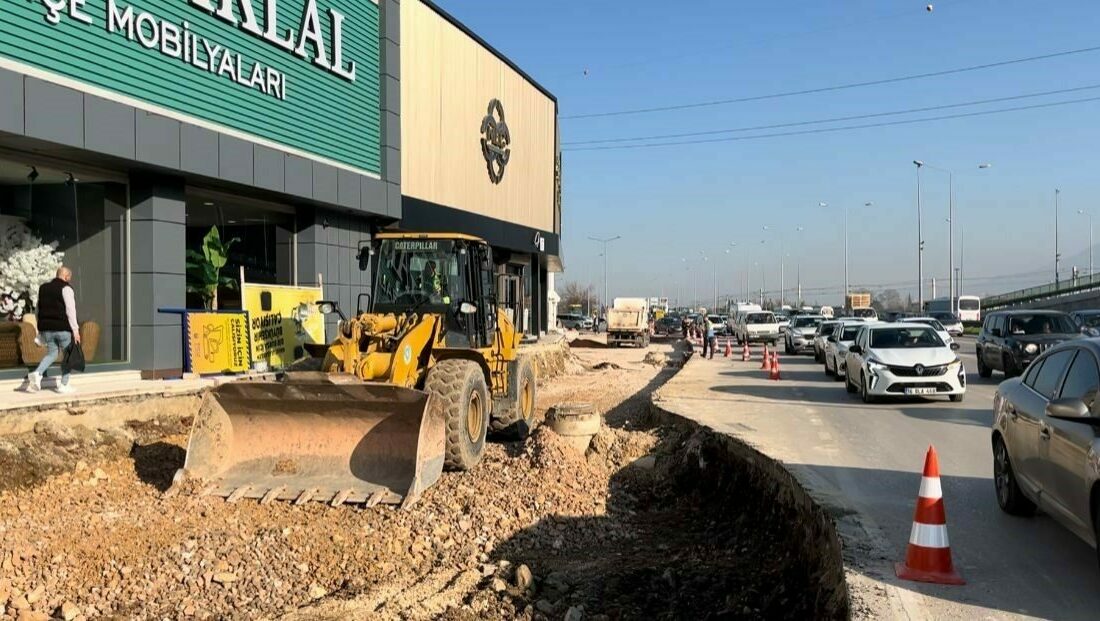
315	437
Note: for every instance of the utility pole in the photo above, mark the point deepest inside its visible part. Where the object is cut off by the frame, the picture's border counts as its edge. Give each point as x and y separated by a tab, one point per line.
605	241
798	268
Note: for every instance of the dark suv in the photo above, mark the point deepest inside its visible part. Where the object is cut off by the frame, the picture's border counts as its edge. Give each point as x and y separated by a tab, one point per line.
1011	339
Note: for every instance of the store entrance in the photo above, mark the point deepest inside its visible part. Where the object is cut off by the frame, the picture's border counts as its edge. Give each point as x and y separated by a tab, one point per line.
260	238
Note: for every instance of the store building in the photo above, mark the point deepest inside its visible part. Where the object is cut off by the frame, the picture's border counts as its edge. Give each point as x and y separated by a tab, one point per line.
480	154
129	129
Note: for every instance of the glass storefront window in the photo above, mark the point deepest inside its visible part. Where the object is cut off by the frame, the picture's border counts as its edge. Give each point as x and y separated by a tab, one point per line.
50	216
263	246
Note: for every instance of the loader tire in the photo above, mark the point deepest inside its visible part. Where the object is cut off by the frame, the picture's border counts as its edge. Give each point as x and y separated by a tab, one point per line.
517	412
459	387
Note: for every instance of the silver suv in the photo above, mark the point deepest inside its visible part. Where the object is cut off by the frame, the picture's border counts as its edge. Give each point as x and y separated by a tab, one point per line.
1045	438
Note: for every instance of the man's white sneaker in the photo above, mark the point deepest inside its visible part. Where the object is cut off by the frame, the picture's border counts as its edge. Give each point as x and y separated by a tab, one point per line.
64	389
34	382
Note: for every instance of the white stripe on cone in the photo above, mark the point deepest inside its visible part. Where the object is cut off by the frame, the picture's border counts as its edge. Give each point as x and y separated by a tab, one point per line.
929	535
930	488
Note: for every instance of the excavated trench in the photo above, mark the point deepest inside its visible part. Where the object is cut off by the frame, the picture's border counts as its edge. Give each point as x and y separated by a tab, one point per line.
660	518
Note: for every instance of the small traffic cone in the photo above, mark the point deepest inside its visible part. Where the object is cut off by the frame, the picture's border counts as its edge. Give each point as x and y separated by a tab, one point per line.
928	558
764	364
774	373
745	355
729	348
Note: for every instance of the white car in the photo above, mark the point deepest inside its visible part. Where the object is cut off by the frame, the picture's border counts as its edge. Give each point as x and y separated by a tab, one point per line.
757	327
934	324
903	359
951	323
821	338
864	312
836	346
800	335
783	319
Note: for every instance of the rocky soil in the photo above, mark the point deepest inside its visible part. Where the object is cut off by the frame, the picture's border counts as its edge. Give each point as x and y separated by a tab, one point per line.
634	528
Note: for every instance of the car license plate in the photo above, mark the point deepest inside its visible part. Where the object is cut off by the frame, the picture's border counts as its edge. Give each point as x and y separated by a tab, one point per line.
920	391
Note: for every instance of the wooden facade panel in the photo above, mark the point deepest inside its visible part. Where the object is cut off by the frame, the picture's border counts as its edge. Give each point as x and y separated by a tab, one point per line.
447	82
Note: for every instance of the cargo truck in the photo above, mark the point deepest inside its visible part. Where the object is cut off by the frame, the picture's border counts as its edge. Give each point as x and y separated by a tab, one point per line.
628	322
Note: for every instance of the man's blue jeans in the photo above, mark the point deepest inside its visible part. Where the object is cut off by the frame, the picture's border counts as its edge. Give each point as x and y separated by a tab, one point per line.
56	342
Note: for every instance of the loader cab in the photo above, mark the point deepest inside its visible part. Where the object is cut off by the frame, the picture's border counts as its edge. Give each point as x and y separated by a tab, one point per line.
452	277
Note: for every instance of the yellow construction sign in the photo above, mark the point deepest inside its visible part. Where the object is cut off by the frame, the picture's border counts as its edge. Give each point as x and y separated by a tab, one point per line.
281	320
217	342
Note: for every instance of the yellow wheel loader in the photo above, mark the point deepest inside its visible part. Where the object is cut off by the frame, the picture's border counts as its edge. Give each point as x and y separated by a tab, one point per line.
411	385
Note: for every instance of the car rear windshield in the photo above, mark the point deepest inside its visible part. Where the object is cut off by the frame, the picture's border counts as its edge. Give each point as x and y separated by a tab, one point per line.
904	338
715	319
760	318
1022	325
806	322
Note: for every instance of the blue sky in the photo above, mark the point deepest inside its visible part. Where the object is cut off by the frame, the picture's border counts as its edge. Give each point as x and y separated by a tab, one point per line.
671	203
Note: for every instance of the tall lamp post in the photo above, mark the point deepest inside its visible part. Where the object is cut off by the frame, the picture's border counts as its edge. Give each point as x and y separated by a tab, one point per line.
920	245
798	266
867	204
1086	213
1057	255
605	241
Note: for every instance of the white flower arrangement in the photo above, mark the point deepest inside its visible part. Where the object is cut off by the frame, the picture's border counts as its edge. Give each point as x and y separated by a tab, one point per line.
26	262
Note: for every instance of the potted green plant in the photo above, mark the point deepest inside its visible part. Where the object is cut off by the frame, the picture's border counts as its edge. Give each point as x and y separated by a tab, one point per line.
204	268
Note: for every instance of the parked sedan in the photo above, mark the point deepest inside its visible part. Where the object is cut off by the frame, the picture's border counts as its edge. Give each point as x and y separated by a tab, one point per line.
1045	440
903	359
836	347
1010	340
821	337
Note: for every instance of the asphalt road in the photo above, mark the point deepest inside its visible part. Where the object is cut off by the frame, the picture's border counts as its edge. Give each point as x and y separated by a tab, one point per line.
868	458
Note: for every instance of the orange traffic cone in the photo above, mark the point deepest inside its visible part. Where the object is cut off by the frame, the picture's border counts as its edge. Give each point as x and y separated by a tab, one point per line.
774	374
928	558
729	348
745	355
764	364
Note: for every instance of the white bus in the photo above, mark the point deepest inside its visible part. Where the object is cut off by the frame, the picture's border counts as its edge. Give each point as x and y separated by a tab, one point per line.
969	307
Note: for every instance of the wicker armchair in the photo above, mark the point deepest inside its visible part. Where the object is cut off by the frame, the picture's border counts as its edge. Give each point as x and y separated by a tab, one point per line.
32	353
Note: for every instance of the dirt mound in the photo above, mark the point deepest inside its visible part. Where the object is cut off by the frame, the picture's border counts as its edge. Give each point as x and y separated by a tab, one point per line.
587	344
550	451
30	458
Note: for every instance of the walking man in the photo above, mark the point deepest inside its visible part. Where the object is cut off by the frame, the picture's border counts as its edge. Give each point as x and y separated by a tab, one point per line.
705	331
57	327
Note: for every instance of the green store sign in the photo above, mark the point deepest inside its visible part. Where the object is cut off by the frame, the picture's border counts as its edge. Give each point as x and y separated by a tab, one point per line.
300	73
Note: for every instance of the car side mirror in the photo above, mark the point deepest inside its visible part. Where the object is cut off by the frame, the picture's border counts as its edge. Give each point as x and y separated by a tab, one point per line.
1068	409
855	349
954	346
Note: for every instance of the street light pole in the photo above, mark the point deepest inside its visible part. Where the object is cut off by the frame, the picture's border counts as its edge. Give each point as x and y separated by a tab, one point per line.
798	268
1086	213
920	245
1057	255
605	241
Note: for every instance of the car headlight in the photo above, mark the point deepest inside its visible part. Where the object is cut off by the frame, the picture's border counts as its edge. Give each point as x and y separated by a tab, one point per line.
875	366
1031	348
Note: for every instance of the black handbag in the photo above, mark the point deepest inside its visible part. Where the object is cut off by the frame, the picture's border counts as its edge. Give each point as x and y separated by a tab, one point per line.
74	359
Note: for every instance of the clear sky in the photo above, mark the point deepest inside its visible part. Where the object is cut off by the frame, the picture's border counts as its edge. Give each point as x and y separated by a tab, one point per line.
675	202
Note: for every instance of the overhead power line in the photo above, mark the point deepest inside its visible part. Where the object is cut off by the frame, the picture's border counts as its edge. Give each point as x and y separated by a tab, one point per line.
824	130
835	87
834	119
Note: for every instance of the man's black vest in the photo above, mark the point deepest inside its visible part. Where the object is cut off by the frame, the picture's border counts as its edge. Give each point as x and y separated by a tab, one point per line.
51	307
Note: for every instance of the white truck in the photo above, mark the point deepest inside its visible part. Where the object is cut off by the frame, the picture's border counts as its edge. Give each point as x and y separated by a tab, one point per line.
628	322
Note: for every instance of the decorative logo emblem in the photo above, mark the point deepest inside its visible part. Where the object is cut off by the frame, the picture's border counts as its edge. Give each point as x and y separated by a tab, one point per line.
495	139
919	369
407	355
